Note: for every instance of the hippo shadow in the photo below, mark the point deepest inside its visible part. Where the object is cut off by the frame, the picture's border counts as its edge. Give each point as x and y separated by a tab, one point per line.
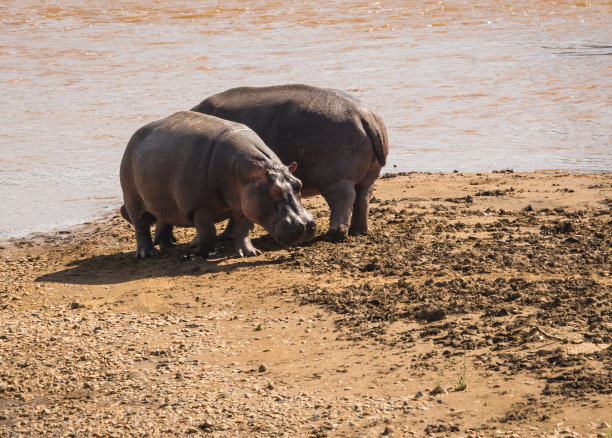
173	262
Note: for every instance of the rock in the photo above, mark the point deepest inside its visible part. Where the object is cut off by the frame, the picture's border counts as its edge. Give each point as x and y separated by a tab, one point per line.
388	431
206	425
262	368
431	314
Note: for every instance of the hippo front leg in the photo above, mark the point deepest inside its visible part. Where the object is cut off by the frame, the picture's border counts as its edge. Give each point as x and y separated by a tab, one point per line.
204	242
164	237
340	198
242	242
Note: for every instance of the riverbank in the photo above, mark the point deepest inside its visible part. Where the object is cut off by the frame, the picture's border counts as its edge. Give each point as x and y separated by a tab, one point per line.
479	304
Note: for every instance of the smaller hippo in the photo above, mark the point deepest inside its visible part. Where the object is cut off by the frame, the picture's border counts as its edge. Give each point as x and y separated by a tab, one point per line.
191	169
340	144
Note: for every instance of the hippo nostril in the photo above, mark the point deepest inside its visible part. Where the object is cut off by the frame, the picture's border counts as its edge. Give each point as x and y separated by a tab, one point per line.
298	232
309	231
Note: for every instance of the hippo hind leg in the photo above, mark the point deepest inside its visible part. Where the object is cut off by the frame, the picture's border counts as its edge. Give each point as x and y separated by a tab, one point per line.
228	233
142	226
340	197
164	237
361	207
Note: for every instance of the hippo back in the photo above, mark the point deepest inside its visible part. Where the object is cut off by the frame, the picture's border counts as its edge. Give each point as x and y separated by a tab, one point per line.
327	132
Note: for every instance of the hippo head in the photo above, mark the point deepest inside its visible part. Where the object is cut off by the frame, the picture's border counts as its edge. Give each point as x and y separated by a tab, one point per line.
271	198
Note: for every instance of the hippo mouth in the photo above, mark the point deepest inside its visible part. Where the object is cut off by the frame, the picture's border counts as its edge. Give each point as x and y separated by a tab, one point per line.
303	233
288	232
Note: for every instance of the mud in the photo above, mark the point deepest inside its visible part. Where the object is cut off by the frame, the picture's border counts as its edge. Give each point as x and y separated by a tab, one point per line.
479	305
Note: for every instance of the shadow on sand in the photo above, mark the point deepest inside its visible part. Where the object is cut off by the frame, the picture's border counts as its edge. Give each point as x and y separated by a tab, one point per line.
121	267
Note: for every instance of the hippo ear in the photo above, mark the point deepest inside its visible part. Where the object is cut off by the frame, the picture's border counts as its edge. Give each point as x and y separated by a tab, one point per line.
252	170
293	167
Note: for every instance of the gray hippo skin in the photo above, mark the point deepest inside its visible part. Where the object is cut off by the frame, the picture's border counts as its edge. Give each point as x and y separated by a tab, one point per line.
339	144
191	169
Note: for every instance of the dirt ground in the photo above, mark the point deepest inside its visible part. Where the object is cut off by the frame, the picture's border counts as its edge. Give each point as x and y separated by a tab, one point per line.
479	305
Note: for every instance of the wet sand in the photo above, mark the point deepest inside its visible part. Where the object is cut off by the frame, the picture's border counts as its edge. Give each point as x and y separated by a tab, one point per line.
479	305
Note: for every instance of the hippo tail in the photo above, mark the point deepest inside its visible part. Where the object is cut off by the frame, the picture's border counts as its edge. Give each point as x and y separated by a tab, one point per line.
375	128
125	214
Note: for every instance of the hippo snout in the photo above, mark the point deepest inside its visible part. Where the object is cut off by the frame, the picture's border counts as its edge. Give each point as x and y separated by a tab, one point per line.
311	229
295	229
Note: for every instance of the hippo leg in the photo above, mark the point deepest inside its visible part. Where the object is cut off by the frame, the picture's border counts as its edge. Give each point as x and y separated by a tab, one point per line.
204	241
228	232
144	243
164	237
340	198
361	207
242	242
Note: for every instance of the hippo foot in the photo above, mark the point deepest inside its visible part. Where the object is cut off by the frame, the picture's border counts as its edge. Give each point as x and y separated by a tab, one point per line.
203	252
203	255
145	253
192	256
250	252
337	234
165	242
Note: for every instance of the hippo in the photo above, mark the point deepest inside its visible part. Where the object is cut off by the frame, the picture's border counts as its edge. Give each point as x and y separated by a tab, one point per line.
192	169
339	144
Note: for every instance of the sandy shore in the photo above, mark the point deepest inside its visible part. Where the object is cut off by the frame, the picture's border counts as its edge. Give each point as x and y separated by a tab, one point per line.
479	305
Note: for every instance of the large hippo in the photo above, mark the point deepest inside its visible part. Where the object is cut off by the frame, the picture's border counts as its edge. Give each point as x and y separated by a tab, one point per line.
339	144
191	169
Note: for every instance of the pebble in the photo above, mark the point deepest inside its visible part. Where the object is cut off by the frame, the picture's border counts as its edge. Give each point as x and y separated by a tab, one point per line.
102	371
388	431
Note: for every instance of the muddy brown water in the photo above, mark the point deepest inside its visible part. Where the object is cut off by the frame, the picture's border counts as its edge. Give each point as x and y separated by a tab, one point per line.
461	86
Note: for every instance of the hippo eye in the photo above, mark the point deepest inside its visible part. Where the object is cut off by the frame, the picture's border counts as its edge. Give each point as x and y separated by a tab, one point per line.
276	190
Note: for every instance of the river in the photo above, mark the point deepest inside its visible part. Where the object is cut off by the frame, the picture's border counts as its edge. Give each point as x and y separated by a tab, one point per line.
461	86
